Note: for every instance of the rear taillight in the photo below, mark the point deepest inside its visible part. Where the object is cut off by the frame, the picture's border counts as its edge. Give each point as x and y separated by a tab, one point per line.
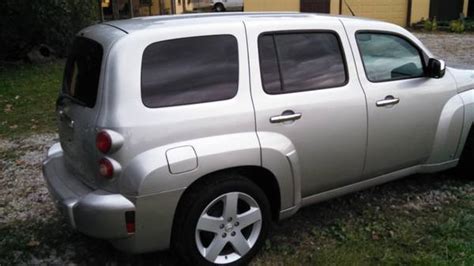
106	168
103	142
107	142
130	221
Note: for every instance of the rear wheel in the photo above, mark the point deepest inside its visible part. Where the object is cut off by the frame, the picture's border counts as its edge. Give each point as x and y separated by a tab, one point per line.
224	221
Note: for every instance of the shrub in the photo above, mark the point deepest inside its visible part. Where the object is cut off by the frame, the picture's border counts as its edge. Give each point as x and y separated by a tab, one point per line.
430	25
28	23
457	26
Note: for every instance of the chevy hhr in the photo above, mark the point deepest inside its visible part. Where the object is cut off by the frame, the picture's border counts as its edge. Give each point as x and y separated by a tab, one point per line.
196	132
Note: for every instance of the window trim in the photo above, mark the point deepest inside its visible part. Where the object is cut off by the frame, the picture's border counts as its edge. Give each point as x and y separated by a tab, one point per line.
281	32
421	53
188	104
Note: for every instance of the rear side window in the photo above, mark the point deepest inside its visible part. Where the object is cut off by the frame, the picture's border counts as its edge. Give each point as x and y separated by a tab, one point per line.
81	77
292	62
190	70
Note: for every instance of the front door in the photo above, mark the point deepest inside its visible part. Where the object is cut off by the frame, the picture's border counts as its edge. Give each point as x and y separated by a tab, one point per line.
404	105
307	99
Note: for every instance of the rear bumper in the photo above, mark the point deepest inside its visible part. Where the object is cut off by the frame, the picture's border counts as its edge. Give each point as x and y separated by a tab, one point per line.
101	214
96	213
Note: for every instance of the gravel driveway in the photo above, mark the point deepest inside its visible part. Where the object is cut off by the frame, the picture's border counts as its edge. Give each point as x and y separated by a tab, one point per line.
32	232
456	49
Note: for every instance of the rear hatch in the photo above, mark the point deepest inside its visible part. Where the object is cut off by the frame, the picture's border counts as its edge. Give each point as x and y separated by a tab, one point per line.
77	108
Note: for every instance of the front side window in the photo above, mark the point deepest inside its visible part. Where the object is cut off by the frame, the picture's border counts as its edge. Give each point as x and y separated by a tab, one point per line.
190	70
388	57
292	62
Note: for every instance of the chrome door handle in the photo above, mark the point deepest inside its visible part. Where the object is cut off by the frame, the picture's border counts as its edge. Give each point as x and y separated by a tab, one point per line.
286	116
389	100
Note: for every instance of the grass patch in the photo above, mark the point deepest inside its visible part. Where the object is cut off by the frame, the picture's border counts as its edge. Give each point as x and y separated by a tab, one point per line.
384	226
27	98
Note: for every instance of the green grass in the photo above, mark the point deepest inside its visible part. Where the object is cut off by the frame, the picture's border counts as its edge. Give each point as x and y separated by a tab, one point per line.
379	231
27	98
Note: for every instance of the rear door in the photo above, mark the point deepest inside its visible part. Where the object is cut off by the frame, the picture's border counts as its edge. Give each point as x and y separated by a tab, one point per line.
304	91
77	108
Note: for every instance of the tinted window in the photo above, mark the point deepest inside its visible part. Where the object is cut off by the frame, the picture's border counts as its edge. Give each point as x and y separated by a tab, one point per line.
190	70
81	77
388	57
301	62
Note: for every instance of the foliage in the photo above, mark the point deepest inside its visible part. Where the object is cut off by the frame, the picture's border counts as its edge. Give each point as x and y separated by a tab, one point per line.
430	25
469	26
27	23
457	26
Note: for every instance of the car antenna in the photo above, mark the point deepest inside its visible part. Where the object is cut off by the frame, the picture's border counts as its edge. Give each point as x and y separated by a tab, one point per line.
349	7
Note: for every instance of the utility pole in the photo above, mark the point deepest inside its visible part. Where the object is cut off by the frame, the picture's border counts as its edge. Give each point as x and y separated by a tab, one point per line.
101	11
130	3
115	9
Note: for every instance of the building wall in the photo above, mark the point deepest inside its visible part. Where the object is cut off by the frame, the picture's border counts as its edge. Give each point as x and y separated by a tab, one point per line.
272	5
335	6
420	9
465	8
394	11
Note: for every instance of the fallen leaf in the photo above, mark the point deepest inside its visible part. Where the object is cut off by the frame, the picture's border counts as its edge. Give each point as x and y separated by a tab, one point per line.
8	108
33	243
375	236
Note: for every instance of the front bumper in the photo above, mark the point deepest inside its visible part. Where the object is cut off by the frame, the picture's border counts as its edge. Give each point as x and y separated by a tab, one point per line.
96	213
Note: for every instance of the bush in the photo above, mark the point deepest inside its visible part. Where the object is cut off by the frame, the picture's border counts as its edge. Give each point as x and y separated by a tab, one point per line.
457	26
430	25
28	23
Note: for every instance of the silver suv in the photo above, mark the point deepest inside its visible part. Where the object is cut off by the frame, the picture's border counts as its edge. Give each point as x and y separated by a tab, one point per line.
196	132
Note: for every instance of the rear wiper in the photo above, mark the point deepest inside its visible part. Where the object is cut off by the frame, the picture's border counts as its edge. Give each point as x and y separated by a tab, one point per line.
63	96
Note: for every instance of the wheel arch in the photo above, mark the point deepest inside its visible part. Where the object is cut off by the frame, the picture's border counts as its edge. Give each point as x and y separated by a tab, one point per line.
260	176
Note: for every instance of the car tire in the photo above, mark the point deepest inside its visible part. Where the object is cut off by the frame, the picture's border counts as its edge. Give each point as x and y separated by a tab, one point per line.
466	162
219	7
224	220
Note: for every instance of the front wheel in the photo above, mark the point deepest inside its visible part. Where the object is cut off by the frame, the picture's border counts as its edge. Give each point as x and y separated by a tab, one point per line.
222	222
219	7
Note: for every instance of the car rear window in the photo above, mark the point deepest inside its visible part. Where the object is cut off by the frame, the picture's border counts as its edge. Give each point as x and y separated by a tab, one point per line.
302	61
81	77
190	70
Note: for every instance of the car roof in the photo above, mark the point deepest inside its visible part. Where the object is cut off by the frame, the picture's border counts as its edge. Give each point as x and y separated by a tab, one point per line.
152	22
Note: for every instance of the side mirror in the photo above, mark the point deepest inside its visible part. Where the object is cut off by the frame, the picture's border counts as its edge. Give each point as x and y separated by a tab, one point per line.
436	68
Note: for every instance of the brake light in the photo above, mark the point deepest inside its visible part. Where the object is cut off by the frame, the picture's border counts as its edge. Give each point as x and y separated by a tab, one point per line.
106	168
103	142
130	221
